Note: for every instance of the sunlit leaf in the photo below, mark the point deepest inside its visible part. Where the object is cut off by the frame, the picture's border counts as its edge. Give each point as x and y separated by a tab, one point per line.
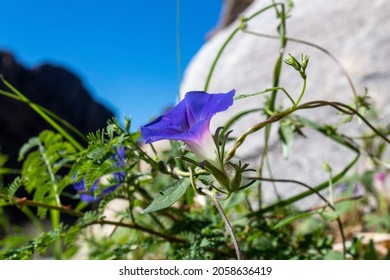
168	196
292	218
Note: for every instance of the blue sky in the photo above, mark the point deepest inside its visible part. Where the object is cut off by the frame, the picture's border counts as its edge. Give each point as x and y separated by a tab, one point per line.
124	51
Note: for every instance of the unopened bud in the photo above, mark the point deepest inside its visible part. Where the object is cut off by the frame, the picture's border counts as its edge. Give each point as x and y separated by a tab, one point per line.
293	62
243	23
127	124
304	61
327	167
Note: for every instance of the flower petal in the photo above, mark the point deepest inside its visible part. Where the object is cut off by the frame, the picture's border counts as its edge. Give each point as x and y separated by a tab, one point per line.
167	126
196	108
203	106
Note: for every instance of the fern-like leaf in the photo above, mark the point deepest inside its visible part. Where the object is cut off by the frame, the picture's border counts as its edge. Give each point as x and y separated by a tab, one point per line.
14	187
45	156
36	246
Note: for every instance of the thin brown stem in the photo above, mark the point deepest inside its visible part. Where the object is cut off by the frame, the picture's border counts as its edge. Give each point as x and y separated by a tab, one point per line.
140	228
227	223
26	202
289	39
330	205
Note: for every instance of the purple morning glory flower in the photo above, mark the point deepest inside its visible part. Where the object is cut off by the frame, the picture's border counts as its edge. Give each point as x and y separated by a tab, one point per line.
189	121
88	196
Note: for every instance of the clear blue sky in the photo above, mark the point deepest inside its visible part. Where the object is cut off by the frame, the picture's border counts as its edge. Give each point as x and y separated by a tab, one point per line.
123	50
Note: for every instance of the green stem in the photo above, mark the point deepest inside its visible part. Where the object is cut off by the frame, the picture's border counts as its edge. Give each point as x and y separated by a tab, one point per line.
301	94
226	221
55	220
214	64
240	140
344	109
332	57
241	96
178	50
227	41
48	112
55	193
45	116
300	196
309	105
25	202
135	226
329	203
271	103
55	215
9	171
189	174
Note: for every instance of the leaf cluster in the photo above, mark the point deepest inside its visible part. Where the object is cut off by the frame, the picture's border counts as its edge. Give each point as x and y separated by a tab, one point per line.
45	156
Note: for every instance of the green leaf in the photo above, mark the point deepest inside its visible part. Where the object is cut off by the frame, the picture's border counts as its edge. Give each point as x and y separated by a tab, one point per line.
13	187
330	216
3	159
234	200
27	147
307	193
44	157
333	255
292	218
36	246
328	131
286	133
370	253
168	196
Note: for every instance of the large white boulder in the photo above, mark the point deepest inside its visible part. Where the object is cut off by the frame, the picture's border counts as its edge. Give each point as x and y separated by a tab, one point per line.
355	32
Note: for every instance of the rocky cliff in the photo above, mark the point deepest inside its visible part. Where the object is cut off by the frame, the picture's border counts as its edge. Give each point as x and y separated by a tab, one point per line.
52	87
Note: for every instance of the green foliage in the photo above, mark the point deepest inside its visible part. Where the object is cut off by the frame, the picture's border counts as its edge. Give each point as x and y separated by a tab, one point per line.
44	156
168	196
36	246
154	214
14	186
3	169
292	218
286	134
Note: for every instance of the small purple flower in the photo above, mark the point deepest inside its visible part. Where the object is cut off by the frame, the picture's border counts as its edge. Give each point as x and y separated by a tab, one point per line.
189	121
380	176
88	196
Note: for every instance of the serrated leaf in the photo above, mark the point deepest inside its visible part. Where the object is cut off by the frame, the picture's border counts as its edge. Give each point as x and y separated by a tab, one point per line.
292	218
168	196
36	246
32	143
14	186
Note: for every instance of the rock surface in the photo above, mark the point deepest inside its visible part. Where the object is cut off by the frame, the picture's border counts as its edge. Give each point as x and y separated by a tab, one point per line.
52	87
356	34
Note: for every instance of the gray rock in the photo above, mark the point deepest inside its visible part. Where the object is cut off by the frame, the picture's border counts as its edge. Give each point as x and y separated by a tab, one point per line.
356	33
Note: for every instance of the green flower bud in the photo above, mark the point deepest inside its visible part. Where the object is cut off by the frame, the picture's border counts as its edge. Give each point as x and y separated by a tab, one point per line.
293	62
243	24
327	167
304	61
127	124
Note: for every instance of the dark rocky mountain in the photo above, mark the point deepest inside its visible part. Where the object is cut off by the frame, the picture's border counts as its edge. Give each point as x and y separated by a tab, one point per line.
52	87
